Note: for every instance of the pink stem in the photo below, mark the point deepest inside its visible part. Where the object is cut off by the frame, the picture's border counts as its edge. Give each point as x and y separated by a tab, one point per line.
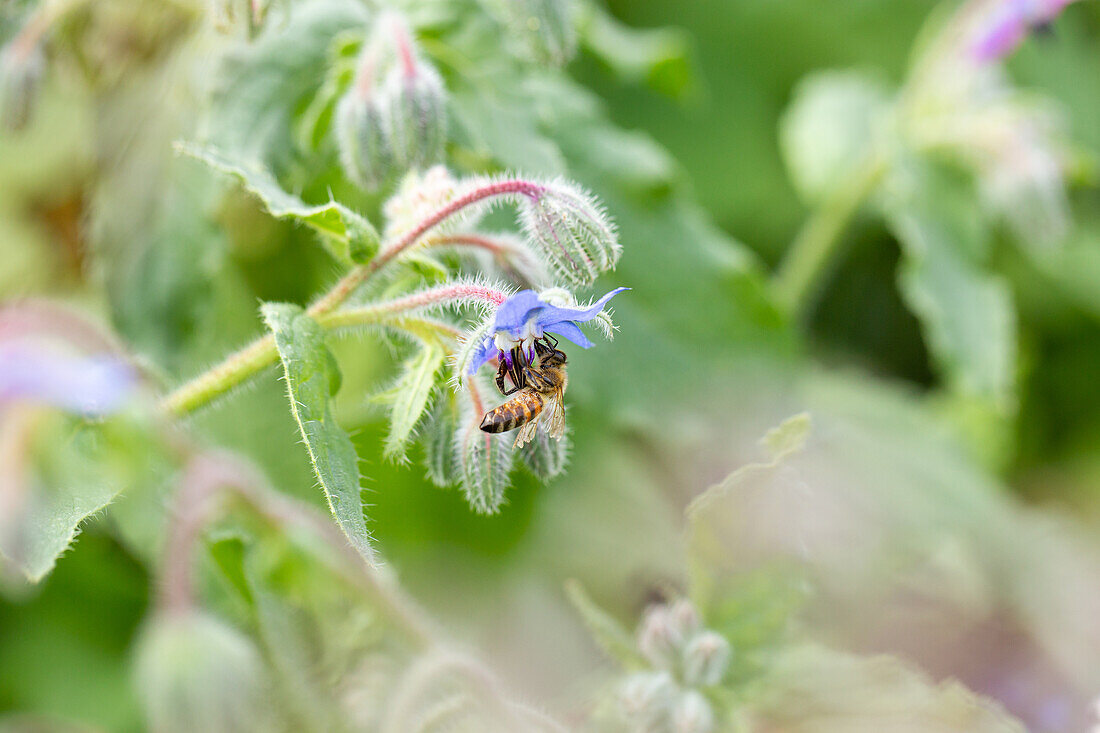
355	278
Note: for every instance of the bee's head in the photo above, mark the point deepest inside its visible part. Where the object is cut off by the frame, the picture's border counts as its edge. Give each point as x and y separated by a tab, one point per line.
548	355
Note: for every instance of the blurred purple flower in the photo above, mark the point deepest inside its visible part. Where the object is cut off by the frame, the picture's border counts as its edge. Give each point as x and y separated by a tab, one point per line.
1011	23
88	385
525	317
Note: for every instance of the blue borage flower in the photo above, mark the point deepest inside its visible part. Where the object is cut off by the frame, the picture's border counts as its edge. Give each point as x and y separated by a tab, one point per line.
86	385
525	317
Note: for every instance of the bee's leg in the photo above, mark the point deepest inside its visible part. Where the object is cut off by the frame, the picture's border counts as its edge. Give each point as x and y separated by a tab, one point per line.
537	380
502	370
517	367
550	340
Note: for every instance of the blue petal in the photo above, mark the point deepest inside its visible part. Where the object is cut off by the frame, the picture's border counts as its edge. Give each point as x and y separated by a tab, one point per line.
569	330
482	355
552	314
514	312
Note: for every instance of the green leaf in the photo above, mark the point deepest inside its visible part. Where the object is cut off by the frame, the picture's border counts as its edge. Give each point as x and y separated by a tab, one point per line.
605	630
307	364
409	397
348	236
316	121
260	85
812	688
966	313
58	470
788	437
829	129
658	57
711	525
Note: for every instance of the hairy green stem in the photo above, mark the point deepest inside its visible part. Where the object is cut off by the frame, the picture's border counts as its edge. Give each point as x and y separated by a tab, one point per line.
817	245
262	353
218	380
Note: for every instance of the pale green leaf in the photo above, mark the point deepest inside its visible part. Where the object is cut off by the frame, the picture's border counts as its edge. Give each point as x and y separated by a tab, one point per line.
658	57
789	436
58	471
829	130
348	236
259	86
967	313
409	397
310	381
815	689
615	640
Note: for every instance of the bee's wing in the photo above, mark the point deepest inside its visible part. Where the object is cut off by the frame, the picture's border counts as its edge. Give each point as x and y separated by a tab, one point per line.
526	433
553	416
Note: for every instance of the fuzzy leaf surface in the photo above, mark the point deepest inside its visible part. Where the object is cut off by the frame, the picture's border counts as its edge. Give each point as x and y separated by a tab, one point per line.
347	235
310	380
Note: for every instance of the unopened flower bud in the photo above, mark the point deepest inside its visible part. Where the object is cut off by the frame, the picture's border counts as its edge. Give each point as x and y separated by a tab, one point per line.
363	137
645	699
691	713
706	658
22	67
196	673
684	616
660	637
417	105
394	118
573	233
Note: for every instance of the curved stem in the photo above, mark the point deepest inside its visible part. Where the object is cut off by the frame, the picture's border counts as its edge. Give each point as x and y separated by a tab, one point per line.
351	282
817	245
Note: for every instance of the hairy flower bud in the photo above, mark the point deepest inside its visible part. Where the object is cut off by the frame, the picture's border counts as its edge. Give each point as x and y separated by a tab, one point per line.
363	137
417	104
572	232
393	118
691	713
22	67
645	699
484	460
196	673
706	658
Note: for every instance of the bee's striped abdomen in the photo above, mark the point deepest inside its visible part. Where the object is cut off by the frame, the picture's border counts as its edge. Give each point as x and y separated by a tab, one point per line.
517	411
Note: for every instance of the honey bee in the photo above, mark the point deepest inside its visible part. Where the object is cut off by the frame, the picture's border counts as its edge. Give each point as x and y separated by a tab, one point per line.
541	385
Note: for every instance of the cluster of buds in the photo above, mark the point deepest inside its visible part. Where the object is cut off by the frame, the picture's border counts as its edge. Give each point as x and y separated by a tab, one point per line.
393	118
686	659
